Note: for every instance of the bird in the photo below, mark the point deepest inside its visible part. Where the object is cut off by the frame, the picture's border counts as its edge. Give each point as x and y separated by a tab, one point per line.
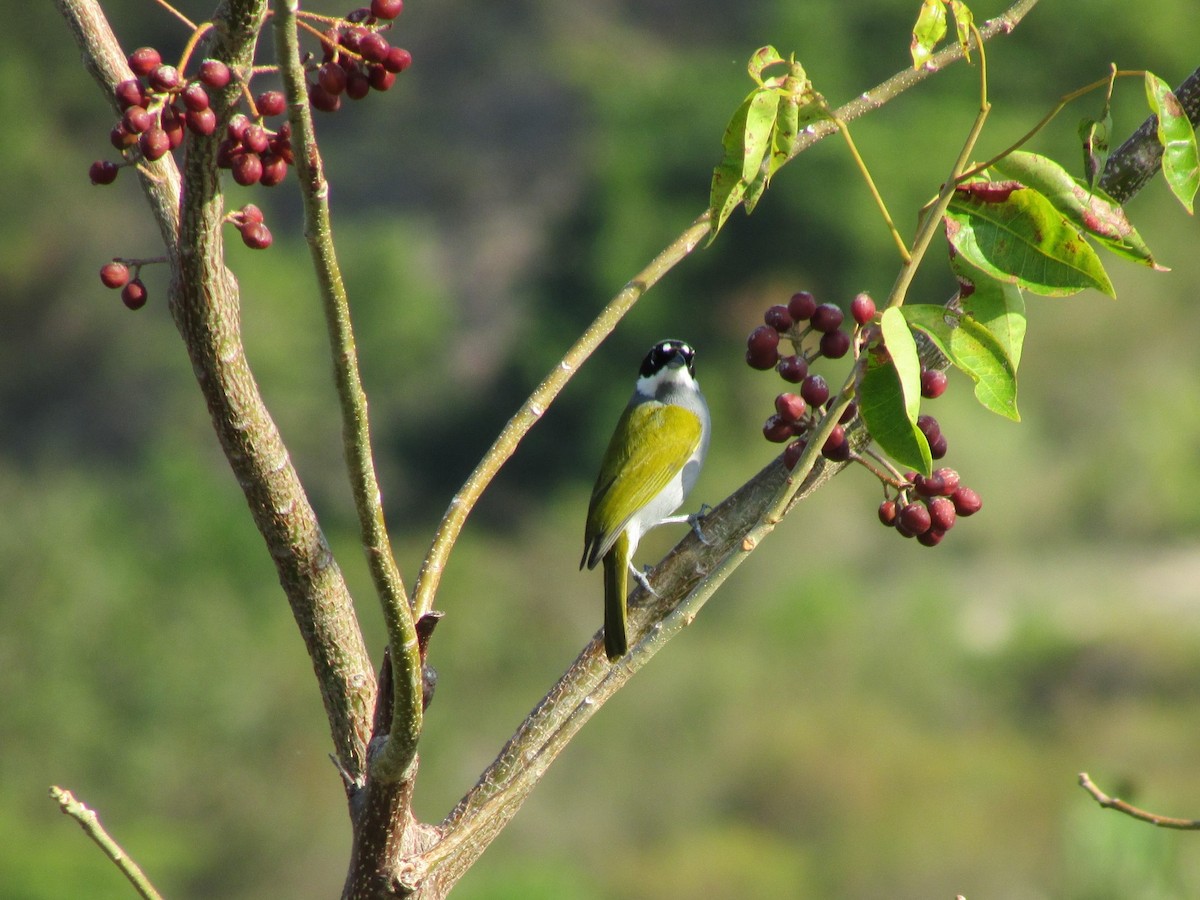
651	464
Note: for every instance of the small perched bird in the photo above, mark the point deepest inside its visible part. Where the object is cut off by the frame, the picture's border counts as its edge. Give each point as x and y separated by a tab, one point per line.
650	465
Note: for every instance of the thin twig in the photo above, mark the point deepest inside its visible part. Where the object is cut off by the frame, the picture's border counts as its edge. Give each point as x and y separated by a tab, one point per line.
90	823
396	759
1140	814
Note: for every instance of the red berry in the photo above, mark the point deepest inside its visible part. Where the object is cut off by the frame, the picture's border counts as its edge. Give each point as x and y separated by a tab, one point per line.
201	121
793	369
762	348
790	407
136	119
226	151
949	480
793	452
256	236
827	317
914	517
236	129
966	501
814	390
836	446
929	427
195	96
255	139
835	344
386	9
352	38
862	308
144	60
332	78
164	78
380	78
938	447
214	73
114	275
103	172
802	305
121	137
933	383
247	168
358	85
848	413
173	124
929	487
931	538
274	170
777	429
374	47
251	213
133	295
154	143
398	59
323	100
271	103
888	512
942	513
130	93
778	318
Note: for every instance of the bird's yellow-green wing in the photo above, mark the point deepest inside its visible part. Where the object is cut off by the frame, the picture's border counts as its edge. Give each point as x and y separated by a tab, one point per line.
652	443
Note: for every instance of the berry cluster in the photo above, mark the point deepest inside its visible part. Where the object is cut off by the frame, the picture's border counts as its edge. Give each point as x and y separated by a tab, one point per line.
927	507
125	275
922	507
357	58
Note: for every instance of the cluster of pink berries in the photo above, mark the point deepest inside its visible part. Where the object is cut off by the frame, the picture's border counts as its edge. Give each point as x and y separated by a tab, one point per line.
923	507
930	506
357	57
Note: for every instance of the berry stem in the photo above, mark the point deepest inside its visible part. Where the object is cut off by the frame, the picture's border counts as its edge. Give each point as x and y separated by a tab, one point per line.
880	467
189	48
177	14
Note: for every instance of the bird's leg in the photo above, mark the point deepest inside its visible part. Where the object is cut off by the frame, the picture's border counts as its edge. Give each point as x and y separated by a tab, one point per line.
642	579
692	519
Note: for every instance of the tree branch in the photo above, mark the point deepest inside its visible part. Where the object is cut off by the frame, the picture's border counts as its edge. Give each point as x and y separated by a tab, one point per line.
90	823
1121	806
204	303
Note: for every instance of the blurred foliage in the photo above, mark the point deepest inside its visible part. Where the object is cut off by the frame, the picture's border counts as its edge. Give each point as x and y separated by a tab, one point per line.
854	716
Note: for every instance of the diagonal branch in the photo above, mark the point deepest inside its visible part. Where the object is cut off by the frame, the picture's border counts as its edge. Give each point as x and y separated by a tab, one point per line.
90	823
1128	809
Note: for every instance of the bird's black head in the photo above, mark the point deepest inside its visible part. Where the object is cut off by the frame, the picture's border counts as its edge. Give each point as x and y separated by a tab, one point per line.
666	353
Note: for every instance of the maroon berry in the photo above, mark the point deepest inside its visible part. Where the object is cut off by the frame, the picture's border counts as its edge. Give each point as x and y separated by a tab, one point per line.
103	172
201	121
835	344
931	538
358	85
247	168
814	390
792	369
914	518
802	305
136	119
352	38
929	487
214	73
949	480
933	383
777	429
888	512
790	407
195	96
226	151
398	59
966	501
251	213
778	318
256	236
332	78
173	122
793	452
762	348
827	317
133	295
114	275
271	103
836	446
255	139
386	9
154	143
164	78
848	413
938	447
236	129
373	47
380	78
130	93
121	137
359	15
274	170
929	427
942	513
322	100
862	308
144	60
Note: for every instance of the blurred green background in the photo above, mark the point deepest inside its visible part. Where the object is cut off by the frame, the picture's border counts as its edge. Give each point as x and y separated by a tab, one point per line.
852	716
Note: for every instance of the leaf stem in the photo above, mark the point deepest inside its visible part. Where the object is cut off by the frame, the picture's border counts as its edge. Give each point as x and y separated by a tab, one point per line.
866	174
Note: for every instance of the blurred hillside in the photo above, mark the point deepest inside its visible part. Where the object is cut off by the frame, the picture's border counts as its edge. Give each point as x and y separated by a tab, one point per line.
854	716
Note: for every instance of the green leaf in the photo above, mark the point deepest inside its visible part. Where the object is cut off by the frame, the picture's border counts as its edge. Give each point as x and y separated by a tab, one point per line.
1093	135
889	397
1088	208
963	20
996	305
971	347
762	59
928	32
1018	236
1180	162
